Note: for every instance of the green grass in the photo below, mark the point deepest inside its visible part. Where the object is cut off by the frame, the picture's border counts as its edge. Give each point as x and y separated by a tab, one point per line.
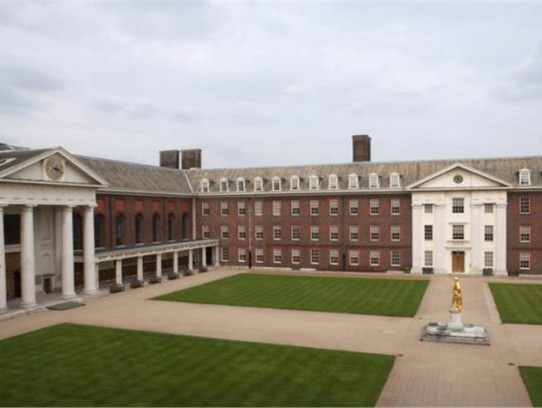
532	377
72	365
518	303
385	297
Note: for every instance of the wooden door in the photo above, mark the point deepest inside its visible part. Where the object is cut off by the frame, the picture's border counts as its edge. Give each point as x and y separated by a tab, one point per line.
458	261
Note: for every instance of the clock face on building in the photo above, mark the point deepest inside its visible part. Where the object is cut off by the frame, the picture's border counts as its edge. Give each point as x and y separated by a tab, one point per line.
54	167
458	179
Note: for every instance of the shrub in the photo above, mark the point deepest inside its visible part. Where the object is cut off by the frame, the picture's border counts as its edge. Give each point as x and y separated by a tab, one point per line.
203	269
173	276
155	279
188	272
136	283
116	287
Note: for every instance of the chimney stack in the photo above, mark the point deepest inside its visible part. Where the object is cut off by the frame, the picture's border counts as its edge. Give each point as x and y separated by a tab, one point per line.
191	159
169	158
361	147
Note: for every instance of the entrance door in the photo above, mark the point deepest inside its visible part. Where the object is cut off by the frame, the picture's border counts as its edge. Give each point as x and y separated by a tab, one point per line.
458	261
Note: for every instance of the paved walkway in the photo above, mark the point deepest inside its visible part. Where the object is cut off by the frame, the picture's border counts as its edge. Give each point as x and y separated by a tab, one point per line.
425	374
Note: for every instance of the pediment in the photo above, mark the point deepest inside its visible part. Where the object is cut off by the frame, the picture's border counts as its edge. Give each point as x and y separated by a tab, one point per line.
459	177
53	166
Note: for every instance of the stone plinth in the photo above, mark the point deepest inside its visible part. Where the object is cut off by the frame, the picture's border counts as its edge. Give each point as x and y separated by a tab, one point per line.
455	331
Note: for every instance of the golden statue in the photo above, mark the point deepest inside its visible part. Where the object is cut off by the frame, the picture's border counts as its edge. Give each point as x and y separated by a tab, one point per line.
457	296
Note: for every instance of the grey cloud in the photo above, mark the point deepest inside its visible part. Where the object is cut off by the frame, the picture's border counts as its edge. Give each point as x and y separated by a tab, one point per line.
12	102
28	79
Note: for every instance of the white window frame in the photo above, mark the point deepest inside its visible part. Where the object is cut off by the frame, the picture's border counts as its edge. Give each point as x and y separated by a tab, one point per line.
353	181
224	185
353	207
277	184
395	206
259	255
315	208
295	208
241	185
225	255
524	261
277	233
353	257
224	209
374	206
333	207
489	233
315	233
428	259
258	184
395	180
205	232
374	181
224	232
525	205
258	232
334	233
277	255
241	232
205	186
354	233
295	233
395	233
524	177
334	257
524	234
374	258
458	232
258	208
296	256
458	205
333	182
294	183
314	183
374	233
277	208
241	208
395	258
315	256
242	255
205	209
489	259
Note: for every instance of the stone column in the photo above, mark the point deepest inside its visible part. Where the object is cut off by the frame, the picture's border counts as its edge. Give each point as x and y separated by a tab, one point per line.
203	256
158	265
440	261
500	241
68	286
217	256
89	252
28	272
140	268
175	262
190	260
3	271
417	238
118	271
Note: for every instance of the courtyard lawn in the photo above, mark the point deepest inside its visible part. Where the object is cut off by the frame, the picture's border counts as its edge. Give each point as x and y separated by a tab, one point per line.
385	297
72	365
532	377
518	303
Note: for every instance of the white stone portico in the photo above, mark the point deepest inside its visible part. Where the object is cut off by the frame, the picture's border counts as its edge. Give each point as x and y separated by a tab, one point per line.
459	222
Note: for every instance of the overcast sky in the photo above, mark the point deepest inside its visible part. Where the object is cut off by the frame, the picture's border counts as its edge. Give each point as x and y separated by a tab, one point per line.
256	83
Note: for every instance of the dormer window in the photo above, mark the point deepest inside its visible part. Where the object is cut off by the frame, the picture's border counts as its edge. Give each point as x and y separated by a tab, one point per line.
333	182
205	186
524	177
395	180
241	185
374	181
224	185
277	184
258	184
294	183
314	183
353	182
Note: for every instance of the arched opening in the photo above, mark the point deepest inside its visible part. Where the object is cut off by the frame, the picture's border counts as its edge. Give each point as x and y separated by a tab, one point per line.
120	223
171	227
156	228
185	227
139	231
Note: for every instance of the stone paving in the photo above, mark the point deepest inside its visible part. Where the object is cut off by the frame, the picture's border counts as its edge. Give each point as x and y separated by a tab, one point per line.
425	374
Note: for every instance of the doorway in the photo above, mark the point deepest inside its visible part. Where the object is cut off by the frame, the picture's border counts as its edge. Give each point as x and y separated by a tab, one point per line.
458	261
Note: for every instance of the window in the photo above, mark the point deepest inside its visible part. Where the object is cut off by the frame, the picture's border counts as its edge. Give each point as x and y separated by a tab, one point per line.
241	232
296	256
374	206
458	205
276	208
333	233
259	255
171	227
224	231
524	233
139	229
354	207
353	182
488	233
258	232
295	208
315	233
315	207
395	206
524	177
428	258
374	181
258	184
314	183
428	208
334	257
524	260
224	185
333	182
315	256
374	232
155	228
205	209
277	255
395	180
120	221
241	186
488	208
395	232
241	208
353	257
225	255
205	232
258	208
294	183
242	254
277	232
354	233
488	259
458	232
99	231
204	186
524	205
428	232
224	208
277	184
374	258
295	232
395	258
333	207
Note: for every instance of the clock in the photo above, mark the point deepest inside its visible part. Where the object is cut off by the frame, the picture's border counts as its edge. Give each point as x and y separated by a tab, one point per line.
54	168
458	179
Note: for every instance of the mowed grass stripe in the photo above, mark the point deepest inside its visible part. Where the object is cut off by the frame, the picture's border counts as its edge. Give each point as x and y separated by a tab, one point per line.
518	303
532	378
385	297
72	365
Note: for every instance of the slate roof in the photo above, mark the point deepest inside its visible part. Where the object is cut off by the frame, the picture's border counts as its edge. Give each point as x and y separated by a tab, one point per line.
11	158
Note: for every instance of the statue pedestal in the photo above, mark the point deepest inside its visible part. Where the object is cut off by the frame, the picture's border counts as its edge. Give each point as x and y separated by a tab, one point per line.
455	323
455	331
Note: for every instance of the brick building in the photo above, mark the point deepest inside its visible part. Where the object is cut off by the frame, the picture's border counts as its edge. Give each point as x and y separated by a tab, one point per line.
72	221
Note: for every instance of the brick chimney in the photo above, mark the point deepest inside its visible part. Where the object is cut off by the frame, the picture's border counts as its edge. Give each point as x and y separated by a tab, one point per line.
169	158
191	159
361	147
